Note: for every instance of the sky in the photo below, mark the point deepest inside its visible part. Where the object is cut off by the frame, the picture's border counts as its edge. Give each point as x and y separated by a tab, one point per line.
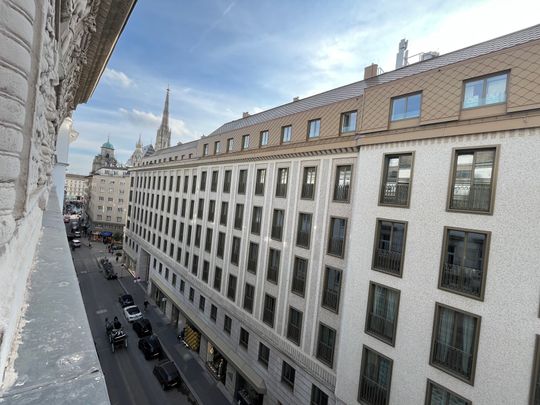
221	58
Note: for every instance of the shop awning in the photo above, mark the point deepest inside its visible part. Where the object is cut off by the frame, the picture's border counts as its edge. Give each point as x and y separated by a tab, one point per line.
248	372
106	234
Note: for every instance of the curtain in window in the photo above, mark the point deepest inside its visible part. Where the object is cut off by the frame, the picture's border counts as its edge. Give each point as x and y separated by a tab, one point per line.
444	335
391	298
468	324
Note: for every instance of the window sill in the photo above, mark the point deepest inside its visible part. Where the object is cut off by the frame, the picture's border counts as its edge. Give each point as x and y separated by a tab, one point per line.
404	123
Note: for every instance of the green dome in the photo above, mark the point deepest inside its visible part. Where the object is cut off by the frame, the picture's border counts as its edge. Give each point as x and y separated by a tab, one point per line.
107	145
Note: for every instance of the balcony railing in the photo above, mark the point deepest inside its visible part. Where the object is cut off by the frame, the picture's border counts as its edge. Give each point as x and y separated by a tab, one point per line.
259	188
453	358
341	192
387	260
308	190
298	285
281	190
335	246
277	232
302	239
476	197
372	392
396	194
330	299
272	274
381	326
467	280
242	187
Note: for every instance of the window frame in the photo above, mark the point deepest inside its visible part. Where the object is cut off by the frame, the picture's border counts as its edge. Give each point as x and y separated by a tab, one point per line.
485	261
288	333
243	334
341	122
371	295
348	200
298	230
384	175
431	383
484	78
305	171
452	176
261	137
244	138
319	333
308	132
406	97
330	233
288	382
535	377
375	244
283	128
365	349
263	360
325	283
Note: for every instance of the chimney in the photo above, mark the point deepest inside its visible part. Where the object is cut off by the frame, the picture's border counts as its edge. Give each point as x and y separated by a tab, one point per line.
370	71
245	114
296	99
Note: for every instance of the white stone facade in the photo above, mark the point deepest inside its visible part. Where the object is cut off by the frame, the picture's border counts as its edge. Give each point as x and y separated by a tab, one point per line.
76	187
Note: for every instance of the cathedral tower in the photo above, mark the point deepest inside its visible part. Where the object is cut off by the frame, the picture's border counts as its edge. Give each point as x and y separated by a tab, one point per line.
163	136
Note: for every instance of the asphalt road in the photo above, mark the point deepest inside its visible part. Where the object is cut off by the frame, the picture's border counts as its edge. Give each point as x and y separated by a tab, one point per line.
128	375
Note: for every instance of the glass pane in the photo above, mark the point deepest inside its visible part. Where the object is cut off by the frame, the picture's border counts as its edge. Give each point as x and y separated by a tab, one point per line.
398	109
393	169
475	250
413	106
384	235
462	183
483	166
473	94
496	89
397	238
438	396
455	250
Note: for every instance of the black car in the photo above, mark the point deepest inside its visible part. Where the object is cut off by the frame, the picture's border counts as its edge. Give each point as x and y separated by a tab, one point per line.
110	274
151	347
167	374
142	327
126	300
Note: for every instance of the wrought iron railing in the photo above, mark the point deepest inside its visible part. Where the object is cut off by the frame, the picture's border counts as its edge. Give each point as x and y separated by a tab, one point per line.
302	238
341	192
381	326
281	190
387	260
464	279
335	246
396	194
298	285
259	188
308	190
372	392
452	358
277	232
330	299
272	274
471	197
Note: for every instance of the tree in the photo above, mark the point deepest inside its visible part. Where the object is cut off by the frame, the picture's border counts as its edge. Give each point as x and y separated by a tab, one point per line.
117	236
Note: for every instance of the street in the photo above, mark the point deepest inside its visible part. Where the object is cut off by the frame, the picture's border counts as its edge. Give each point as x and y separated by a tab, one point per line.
128	375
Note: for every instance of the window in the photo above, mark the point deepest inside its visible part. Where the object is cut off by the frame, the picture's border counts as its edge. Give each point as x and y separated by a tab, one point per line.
298	284
214	183
256	220
455	342
217	279
318	397
195	265
314	128
235	250
194	184
217	147
188	237
183	211
389	247
213	313
244	338
259	181
535	387
332	288
230	144
242	180
395	188
245	141
182	286
464	262
227	324
286	133
231	288
239	216
272	273
282	179
486	91
220	245
294	326
277	224
269	310
227	182
325	345
206	270
382	312
406	107
203	181
348	122
253	255
472	180
249	296
205	149
264	138
438	395
303	233
191	208
202	303
336	236
224	209
308	183
200	208
208	241
287	375
191	294
375	378
342	184
264	355
211	210
186	184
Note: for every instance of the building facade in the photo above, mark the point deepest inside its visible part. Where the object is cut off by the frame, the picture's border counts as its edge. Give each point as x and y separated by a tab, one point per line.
108	200
76	187
105	158
287	244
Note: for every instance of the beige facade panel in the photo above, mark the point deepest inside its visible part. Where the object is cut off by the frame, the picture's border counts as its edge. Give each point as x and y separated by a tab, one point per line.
442	89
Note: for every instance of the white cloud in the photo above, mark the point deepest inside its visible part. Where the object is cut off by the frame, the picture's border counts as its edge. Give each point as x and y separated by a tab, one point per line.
153	121
115	77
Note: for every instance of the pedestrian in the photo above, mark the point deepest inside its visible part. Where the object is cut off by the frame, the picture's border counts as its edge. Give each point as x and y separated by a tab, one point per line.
116	259
145	303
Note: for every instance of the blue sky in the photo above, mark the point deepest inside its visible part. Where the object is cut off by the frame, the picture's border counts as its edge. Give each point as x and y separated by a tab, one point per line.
223	57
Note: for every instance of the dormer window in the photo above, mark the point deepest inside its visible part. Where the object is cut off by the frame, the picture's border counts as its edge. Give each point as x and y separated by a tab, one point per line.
486	91
406	107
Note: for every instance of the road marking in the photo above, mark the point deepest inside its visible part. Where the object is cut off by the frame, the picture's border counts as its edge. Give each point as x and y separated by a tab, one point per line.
101	311
83	272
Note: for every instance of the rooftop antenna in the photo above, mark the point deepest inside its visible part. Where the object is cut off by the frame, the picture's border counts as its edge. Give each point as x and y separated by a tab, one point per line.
403	54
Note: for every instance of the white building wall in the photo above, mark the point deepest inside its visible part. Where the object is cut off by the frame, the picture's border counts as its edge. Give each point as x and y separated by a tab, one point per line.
509	312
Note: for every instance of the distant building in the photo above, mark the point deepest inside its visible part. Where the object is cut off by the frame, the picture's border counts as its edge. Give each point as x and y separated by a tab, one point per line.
137	154
76	187
105	158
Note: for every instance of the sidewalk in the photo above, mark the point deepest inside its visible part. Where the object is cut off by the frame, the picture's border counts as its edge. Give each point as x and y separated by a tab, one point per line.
202	385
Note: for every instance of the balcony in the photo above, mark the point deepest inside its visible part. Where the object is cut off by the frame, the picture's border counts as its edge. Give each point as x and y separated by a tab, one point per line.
308	191
381	326
372	392
388	261
330	300
467	197
466	280
395	194
341	192
453	359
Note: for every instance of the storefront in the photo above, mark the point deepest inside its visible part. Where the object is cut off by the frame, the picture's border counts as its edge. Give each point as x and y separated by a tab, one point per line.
192	337
245	393
216	363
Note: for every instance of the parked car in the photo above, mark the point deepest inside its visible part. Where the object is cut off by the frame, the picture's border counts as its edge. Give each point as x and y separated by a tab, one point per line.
77	234
126	300
142	327
167	374
151	347
109	273
75	243
132	313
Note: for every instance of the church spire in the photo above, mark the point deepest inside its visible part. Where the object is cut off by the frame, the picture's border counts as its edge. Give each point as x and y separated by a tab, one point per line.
163	136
